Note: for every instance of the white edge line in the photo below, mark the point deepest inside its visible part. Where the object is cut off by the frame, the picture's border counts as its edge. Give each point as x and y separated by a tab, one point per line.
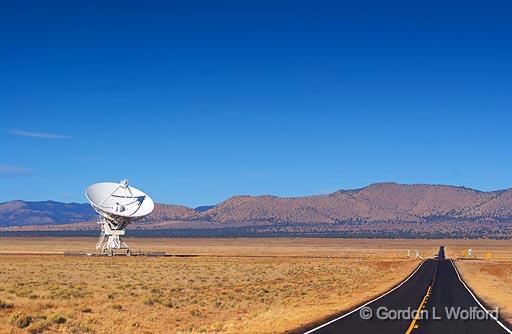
478	302
367	303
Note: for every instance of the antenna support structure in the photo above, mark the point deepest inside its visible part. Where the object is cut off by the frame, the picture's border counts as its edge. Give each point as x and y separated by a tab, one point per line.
110	238
118	205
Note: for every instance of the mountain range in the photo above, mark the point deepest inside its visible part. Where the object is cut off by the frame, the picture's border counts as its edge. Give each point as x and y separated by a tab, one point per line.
378	210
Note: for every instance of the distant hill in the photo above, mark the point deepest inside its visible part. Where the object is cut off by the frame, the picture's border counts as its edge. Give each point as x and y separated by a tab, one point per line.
388	202
17	213
22	213
383	209
204	208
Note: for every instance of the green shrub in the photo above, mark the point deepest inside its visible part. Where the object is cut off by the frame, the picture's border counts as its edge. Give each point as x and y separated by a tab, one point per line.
116	306
58	319
195	313
21	320
151	301
5	305
39	327
79	328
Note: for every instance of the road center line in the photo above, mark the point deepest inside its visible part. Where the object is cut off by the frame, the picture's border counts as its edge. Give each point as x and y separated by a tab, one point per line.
367	303
422	304
416	317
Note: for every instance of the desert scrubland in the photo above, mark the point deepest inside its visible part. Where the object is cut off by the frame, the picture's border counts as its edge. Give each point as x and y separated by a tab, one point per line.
216	285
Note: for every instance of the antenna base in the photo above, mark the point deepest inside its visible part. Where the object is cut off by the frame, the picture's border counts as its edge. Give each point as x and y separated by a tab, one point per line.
110	239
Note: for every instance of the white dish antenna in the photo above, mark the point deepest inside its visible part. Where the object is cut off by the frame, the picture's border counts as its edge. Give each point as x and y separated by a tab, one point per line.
118	205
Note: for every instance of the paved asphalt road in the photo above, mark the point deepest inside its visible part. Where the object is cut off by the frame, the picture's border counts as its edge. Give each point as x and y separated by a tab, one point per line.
435	289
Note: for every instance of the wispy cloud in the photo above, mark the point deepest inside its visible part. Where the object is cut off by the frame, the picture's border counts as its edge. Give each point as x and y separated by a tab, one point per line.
7	170
43	135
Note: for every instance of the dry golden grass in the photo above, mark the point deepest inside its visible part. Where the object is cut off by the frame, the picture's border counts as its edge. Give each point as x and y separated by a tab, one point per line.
233	286
199	294
236	286
482	249
384	248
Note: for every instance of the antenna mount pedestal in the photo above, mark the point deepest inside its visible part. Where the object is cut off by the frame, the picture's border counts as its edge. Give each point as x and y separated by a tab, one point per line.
110	238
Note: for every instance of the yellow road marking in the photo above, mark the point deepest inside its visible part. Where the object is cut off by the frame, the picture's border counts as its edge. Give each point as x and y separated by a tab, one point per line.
422	305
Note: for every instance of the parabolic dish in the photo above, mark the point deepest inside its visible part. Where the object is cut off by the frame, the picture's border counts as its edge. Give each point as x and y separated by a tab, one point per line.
119	199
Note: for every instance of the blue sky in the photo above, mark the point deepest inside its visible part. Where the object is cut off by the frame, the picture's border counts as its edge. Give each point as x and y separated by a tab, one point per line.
196	101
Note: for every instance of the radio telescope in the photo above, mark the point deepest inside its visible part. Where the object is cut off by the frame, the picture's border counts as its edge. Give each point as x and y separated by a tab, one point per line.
118	205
